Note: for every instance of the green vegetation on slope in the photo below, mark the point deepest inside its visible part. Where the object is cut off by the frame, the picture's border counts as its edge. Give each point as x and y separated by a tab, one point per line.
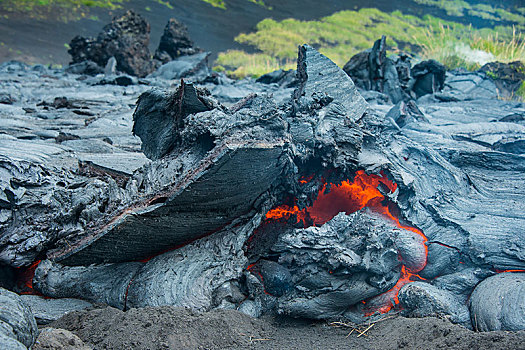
63	10
460	8
346	33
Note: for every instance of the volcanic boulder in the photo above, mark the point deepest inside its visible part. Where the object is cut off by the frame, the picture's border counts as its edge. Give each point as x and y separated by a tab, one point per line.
508	77
347	260
498	303
18	329
159	117
372	70
175	42
429	77
126	38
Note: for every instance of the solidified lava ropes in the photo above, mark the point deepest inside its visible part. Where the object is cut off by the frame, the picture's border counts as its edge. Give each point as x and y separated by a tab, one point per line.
350	196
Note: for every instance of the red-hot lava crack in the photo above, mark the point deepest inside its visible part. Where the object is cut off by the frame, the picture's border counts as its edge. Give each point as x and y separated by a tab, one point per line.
349	196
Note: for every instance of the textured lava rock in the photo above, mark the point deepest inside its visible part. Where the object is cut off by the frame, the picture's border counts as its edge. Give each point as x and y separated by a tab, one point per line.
126	38
277	279
102	283
498	303
18	329
419	299
372	70
347	260
175	42
459	177
84	67
405	112
159	117
283	78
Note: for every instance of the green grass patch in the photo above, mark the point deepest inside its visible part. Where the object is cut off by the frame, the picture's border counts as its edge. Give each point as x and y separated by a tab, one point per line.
240	64
521	91
460	8
346	33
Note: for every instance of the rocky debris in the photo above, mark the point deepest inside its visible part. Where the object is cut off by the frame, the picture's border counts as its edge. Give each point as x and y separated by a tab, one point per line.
429	77
394	76
85	67
48	310
120	80
59	339
498	303
6	99
175	42
18	329
192	67
372	70
122	46
419	299
126	39
508	77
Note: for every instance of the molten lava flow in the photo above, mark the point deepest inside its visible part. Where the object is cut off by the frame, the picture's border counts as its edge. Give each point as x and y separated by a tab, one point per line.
285	211
350	196
501	271
25	278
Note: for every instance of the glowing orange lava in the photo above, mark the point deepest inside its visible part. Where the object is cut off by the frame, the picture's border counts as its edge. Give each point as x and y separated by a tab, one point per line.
350	196
25	278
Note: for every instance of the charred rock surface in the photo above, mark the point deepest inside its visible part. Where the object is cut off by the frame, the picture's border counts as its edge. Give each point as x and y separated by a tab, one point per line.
159	117
429	77
126	38
498	303
18	329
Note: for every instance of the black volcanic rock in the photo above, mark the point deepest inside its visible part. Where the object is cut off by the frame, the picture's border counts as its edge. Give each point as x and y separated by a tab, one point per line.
126	38
508	77
429	77
159	117
175	42
191	67
373	70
